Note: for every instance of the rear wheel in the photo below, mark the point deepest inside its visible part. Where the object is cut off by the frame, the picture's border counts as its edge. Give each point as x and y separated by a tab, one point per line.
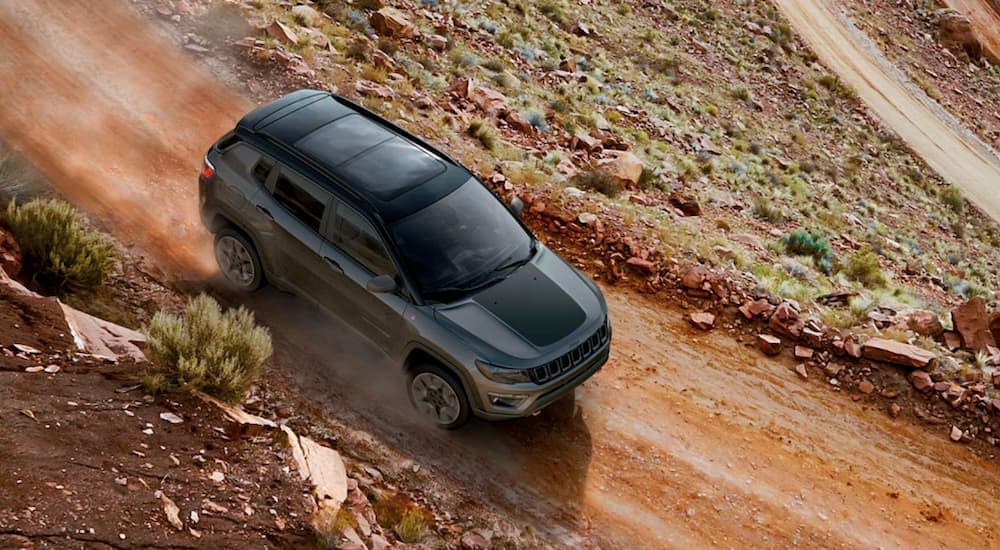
238	260
438	396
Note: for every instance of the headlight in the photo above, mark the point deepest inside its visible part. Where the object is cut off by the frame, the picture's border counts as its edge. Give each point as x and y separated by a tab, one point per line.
503	375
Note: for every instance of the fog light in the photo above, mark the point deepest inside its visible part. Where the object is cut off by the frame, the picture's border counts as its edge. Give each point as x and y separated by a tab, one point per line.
507	400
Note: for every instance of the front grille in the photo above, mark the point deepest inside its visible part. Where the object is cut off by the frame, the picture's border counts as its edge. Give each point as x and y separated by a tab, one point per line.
572	359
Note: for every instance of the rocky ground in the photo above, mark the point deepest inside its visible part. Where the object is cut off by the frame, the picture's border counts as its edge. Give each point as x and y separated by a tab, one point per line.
737	170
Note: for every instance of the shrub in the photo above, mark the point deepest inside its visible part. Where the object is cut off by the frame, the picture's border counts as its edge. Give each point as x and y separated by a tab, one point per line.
412	528
647	178
952	196
219	353
600	181
810	243
864	267
493	64
481	130
65	255
765	210
17	177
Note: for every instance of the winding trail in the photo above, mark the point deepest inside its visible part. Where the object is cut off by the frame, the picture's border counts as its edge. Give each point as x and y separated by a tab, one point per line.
953	152
685	439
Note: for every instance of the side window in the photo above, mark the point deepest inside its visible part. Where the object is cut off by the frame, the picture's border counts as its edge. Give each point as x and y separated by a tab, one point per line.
358	238
262	169
305	201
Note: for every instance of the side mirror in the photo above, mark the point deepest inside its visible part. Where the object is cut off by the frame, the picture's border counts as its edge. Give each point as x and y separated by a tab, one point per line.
381	284
516	207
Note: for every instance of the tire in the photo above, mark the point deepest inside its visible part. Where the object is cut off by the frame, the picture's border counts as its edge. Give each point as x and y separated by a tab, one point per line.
449	409
238	260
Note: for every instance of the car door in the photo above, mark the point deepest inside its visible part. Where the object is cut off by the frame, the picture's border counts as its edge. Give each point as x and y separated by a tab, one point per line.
295	210
355	244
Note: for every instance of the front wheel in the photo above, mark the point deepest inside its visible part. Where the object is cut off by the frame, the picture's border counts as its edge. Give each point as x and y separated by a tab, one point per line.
238	260
439	396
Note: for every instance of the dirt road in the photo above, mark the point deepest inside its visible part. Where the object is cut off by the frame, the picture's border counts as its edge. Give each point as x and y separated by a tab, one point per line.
954	153
683	440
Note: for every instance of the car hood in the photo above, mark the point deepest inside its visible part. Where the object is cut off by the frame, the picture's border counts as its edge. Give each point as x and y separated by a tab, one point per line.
532	311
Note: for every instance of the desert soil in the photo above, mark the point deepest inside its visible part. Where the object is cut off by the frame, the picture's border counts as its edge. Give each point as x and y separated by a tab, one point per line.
684	440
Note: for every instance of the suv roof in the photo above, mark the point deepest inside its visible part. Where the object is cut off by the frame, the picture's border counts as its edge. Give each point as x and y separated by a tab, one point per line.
392	170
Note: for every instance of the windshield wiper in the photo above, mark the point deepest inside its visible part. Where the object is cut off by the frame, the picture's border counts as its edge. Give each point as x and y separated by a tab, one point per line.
520	262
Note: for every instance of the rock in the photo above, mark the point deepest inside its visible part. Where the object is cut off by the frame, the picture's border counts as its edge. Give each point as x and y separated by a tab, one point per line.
171	510
685	203
489	100
956	32
438	42
852	348
897	353
371	89
866	387
770	345
10	254
474	540
894	410
802	352
584	142
282	33
973	325
581	29
702	320
921	380
956	434
307	15
383	60
52	369
995	325
833	369
641	264
801	370
623	165
217	476
392	22
695	277
813	337
37	368
378	542
171	418
586	218
519	123
840	298
461	87
952	340
785	321
925	323
757	308
23	348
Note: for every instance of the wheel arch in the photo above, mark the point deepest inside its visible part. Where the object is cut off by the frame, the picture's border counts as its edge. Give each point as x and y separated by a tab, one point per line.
417	354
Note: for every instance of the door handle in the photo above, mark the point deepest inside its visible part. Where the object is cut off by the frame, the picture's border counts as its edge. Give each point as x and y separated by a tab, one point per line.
333	264
264	211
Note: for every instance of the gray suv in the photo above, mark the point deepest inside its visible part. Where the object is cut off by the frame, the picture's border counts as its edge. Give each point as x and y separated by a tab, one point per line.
323	198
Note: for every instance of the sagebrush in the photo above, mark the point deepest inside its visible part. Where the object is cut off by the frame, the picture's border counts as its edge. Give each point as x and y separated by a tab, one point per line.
63	254
205	348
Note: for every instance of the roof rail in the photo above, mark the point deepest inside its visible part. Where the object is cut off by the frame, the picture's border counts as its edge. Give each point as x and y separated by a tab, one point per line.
395	128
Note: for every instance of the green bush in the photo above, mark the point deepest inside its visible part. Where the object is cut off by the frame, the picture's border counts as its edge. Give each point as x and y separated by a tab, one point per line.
484	132
64	255
864	267
952	196
810	243
600	181
219	353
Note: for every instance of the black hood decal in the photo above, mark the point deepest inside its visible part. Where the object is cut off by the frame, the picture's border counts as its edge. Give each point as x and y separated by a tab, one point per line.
532	304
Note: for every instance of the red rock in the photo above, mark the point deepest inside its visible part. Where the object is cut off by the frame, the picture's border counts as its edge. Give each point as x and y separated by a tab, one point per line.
702	320
461	87
770	345
785	321
685	203
853	348
995	324
921	380
641	264
952	340
695	277
925	323
568	64
282	33
894	410
756	308
995	406
833	369
897	353
802	352
622	165
801	370
889	393
10	254
866	387
392	22
942	386
585	142
519	123
383	60
489	100
973	325
813	337
956	434
996	378
368	88
438	42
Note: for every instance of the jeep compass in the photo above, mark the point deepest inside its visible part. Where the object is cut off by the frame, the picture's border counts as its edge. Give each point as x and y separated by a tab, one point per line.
320	197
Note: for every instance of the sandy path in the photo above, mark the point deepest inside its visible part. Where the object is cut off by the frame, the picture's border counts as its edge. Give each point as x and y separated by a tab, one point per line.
955	154
683	440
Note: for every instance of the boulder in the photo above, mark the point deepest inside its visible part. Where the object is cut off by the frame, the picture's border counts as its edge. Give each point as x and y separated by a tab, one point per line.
392	22
770	345
924	323
853	348
10	254
461	87
641	264
952	341
584	142
623	165
307	15
371	89
973	325
897	353
519	123
994	323
802	352
383	60
921	380
696	277
684	202
282	33
955	31
756	308
702	320
489	100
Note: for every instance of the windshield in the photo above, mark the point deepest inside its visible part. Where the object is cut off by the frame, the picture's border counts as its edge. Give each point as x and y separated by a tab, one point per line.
460	240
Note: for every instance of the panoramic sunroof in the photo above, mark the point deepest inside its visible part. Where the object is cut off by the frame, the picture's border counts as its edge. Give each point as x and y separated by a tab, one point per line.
391	169
342	140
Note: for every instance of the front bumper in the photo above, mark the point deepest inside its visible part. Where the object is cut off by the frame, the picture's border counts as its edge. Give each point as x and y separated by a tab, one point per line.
538	397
